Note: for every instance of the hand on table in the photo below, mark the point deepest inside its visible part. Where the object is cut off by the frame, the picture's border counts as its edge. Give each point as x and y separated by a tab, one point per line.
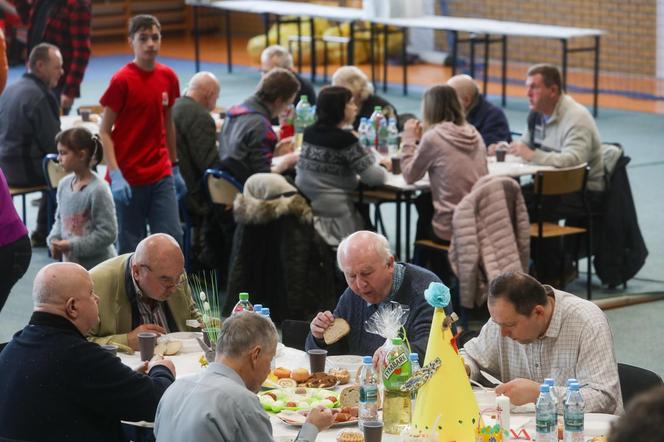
386	163
521	150
321	417
320	323
520	391
288	162
132	336
159	360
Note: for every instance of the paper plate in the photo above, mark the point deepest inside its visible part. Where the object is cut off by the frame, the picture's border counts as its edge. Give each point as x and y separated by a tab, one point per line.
188	339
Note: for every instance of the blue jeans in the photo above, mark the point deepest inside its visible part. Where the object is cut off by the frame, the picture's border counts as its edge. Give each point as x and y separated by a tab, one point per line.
154	204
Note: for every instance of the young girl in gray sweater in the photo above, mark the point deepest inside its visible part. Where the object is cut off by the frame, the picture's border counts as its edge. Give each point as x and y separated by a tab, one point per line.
85	225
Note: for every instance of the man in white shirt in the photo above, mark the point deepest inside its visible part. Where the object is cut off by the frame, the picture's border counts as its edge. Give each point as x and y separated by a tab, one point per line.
537	332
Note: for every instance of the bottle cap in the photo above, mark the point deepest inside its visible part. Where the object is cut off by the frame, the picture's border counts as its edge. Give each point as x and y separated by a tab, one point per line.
550	382
265	311
544	388
397	341
414	357
571	380
244	296
377	108
367	360
258	307
304	98
574	386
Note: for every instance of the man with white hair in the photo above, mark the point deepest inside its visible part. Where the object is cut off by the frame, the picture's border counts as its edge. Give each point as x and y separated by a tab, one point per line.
220	403
276	56
144	291
196	139
489	120
55	385
374	278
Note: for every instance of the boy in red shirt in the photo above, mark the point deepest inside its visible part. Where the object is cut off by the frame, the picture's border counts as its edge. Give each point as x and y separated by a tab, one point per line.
138	137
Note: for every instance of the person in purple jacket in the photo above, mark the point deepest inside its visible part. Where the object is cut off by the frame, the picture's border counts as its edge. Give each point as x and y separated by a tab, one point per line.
15	249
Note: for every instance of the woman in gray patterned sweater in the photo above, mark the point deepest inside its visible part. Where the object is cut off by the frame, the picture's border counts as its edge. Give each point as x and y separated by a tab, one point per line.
332	164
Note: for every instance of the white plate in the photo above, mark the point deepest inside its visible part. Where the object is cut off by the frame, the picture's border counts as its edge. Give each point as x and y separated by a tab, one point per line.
349	362
188	339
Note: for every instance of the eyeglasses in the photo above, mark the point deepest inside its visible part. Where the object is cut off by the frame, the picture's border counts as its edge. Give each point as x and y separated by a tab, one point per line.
167	282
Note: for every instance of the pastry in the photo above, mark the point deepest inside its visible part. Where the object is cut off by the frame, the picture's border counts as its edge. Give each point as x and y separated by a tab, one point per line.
282	372
286	383
300	375
341	374
350	436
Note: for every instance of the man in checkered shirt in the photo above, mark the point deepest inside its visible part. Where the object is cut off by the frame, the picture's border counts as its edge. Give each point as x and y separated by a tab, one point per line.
65	24
537	332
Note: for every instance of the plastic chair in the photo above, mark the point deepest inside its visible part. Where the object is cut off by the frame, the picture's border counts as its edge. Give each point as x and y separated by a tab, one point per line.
53	174
221	186
635	380
557	183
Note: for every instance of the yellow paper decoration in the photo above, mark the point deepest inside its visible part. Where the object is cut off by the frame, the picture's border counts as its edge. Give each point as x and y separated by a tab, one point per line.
447	400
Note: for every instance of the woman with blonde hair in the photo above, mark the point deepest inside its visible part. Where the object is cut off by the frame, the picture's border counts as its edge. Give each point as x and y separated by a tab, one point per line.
451	150
352	77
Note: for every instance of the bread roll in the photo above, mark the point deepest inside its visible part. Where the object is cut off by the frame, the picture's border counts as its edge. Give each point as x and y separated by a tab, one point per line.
349	396
337	330
282	372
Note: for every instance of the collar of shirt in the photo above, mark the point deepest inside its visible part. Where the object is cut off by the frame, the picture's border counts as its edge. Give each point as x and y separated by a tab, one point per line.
397	279
226	371
556	317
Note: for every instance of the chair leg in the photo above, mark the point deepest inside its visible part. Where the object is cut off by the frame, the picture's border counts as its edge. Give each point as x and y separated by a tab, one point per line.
589	251
562	281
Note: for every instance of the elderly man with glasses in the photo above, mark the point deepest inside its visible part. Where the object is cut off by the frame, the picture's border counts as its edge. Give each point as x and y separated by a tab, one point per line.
144	291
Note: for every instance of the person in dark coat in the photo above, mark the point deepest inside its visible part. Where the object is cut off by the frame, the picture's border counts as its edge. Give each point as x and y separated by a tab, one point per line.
489	120
57	386
276	56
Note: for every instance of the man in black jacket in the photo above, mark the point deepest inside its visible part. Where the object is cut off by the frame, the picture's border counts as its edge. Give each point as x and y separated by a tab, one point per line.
29	121
57	386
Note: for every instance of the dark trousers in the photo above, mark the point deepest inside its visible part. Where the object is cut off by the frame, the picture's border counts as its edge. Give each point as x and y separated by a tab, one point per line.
14	261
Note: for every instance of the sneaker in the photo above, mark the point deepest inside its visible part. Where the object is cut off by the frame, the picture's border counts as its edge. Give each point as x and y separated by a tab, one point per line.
38	239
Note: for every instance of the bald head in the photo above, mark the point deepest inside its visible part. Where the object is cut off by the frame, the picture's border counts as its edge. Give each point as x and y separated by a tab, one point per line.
204	89
65	289
466	89
363	242
158	266
56	282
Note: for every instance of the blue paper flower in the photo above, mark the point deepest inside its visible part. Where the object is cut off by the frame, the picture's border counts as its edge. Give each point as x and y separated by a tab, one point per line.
438	295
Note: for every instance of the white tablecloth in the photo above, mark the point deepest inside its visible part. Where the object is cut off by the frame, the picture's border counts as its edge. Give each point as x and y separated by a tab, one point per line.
187	364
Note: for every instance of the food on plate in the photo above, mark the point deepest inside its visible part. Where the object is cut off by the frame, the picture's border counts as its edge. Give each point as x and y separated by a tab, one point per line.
286	383
353	411
337	330
300	375
321	380
297	399
598	439
342	375
350	436
282	372
342	417
349	396
168	348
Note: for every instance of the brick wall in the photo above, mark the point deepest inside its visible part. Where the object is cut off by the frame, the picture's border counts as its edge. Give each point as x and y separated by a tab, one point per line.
629	47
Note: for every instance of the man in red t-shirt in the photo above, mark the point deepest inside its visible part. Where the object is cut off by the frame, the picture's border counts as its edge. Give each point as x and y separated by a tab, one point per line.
138	136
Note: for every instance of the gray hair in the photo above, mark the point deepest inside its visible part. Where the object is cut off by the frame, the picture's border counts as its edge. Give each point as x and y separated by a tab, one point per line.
375	240
280	54
354	79
242	331
41	52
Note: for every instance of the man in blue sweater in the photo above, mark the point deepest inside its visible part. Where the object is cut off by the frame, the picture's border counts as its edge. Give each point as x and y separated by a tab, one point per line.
374	278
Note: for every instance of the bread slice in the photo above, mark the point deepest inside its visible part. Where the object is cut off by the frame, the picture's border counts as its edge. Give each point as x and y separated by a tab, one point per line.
349	396
337	330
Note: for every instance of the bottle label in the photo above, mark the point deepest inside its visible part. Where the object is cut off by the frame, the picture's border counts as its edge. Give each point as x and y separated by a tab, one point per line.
368	394
574	422
544	424
394	366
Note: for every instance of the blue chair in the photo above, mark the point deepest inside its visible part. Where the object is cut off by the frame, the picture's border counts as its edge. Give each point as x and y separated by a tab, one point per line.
221	186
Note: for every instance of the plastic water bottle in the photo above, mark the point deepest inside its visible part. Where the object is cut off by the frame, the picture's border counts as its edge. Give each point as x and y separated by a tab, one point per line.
573	415
258	308
243	305
552	383
546	426
376	120
302	119
414	368
363	132
570	381
371	135
265	311
368	407
382	137
392	136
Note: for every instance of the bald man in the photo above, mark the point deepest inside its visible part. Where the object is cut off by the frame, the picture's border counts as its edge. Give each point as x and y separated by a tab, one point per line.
196	138
55	385
374	278
143	291
489	120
